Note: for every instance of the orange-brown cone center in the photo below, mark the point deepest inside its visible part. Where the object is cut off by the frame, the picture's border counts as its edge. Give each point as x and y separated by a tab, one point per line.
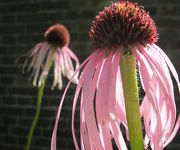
57	35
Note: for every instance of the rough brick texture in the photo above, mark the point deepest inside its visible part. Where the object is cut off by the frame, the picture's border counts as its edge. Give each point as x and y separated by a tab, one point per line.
22	25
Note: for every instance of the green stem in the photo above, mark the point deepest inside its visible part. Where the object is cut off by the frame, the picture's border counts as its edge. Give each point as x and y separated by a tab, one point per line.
129	81
38	108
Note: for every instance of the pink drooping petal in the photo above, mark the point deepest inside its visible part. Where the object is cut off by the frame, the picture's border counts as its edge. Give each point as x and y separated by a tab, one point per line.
176	128
85	141
68	72
73	56
145	112
34	50
61	61
88	90
146	141
84	137
116	105
168	111
37	58
68	54
74	106
69	62
31	54
57	71
151	88
160	122
40	58
106	97
45	69
120	104
81	80
53	140
102	101
167	106
170	65
116	132
63	65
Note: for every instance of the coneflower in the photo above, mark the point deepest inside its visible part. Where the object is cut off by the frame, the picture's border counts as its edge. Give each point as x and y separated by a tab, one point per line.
40	59
53	49
123	36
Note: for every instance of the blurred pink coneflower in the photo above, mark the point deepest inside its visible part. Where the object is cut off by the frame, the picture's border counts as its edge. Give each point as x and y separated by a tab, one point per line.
54	48
39	60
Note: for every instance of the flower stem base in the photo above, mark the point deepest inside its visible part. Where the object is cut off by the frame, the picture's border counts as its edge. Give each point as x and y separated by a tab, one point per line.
38	108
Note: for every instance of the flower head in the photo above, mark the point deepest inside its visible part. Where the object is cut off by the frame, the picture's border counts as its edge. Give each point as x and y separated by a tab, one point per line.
54	48
122	23
123	28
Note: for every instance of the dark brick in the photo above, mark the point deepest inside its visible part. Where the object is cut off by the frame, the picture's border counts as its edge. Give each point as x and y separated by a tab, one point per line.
2	146
37	28
3	129
10	110
19	131
9	40
12	29
47	112
23	7
9	100
10	139
173	147
55	5
8	70
17	50
24	90
87	13
42	142
80	4
72	15
152	10
8	60
25	121
3	89
12	146
8	19
9	120
168	22
30	112
22	140
36	38
168	11
47	132
157	3
63	143
24	101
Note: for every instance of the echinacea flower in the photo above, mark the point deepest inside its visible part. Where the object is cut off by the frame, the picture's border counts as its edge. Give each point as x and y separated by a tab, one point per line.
41	57
55	45
123	31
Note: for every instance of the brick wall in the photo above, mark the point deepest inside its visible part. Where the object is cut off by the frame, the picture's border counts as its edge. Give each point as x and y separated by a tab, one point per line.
22	24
